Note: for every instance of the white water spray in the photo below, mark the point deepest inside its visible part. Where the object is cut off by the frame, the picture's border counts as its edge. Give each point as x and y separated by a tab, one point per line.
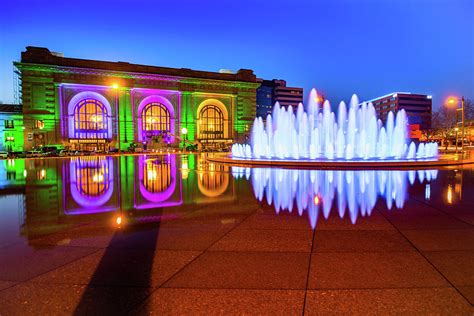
317	133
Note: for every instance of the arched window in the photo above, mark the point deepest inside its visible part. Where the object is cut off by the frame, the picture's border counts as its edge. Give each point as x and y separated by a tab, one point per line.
155	119
211	125
90	119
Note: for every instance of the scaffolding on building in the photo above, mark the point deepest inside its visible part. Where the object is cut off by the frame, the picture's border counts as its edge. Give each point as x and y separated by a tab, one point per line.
16	86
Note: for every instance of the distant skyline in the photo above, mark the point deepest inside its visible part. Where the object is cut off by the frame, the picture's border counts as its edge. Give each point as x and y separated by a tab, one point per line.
339	47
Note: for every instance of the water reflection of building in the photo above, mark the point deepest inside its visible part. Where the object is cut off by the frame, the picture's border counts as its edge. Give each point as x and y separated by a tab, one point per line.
213	182
43	196
159	183
64	192
314	191
454	187
12	173
91	185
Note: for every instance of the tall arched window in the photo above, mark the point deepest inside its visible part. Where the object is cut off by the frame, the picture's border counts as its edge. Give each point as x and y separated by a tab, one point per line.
155	119
211	125
90	119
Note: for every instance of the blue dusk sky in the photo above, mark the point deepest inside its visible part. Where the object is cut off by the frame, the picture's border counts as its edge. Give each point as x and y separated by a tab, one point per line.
340	47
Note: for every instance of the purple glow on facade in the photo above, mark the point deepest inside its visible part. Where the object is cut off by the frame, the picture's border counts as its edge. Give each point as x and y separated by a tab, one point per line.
73	103
158	199
151	99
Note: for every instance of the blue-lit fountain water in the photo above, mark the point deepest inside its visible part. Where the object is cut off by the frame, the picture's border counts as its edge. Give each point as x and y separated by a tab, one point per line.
355	133
354	193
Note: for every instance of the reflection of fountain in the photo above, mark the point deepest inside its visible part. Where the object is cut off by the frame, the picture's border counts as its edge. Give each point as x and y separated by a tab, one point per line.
353	134
92	180
315	190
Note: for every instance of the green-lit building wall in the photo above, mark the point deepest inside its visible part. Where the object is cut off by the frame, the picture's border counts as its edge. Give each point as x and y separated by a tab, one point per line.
11	137
50	83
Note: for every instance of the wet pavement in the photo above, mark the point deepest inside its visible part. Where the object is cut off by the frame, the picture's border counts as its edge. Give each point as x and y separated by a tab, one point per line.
178	235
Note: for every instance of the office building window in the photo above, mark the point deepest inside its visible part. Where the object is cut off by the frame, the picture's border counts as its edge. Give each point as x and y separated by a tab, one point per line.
9	124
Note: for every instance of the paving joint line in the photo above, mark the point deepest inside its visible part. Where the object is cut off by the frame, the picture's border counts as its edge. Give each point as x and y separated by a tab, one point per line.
131	309
309	271
426	258
442	211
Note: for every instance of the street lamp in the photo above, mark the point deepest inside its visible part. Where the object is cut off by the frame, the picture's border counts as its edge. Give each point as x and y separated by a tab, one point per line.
456	129
454	101
184	132
115	86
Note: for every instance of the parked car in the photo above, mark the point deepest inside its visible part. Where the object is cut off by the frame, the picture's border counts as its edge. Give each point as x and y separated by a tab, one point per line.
50	151
34	154
47	149
64	153
17	154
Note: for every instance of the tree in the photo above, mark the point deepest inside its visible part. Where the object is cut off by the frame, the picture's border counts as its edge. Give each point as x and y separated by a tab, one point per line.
468	109
444	121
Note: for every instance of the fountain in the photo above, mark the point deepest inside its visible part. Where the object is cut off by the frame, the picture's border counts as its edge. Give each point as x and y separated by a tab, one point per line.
353	193
315	134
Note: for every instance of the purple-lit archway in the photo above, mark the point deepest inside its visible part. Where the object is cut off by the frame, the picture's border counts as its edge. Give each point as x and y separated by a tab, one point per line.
89	116
158	182
155	114
91	183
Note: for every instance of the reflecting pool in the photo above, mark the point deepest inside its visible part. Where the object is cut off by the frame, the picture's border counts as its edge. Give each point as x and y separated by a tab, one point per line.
139	188
315	191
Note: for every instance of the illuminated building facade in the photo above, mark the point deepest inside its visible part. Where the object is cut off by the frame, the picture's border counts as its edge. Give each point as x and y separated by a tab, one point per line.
11	127
98	105
417	107
271	91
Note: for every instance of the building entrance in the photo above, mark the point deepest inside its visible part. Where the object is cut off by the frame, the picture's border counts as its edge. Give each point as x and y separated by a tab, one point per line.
89	144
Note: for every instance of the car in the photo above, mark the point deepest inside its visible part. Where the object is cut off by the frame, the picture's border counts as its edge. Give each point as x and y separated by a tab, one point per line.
16	154
50	151
34	154
64	153
3	154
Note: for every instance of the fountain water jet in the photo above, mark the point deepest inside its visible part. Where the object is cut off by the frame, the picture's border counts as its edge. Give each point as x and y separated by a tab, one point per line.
317	134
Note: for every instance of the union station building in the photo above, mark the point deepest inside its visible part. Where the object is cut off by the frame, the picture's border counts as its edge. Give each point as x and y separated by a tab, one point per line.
100	105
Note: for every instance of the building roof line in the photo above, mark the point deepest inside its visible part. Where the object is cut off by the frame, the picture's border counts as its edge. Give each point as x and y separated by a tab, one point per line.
387	95
127	74
40	55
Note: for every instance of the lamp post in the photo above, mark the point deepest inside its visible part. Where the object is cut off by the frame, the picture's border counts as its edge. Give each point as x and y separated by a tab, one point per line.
184	132
456	129
454	101
115	87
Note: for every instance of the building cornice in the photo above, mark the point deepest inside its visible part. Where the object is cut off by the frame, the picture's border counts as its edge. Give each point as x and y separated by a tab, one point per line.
131	75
